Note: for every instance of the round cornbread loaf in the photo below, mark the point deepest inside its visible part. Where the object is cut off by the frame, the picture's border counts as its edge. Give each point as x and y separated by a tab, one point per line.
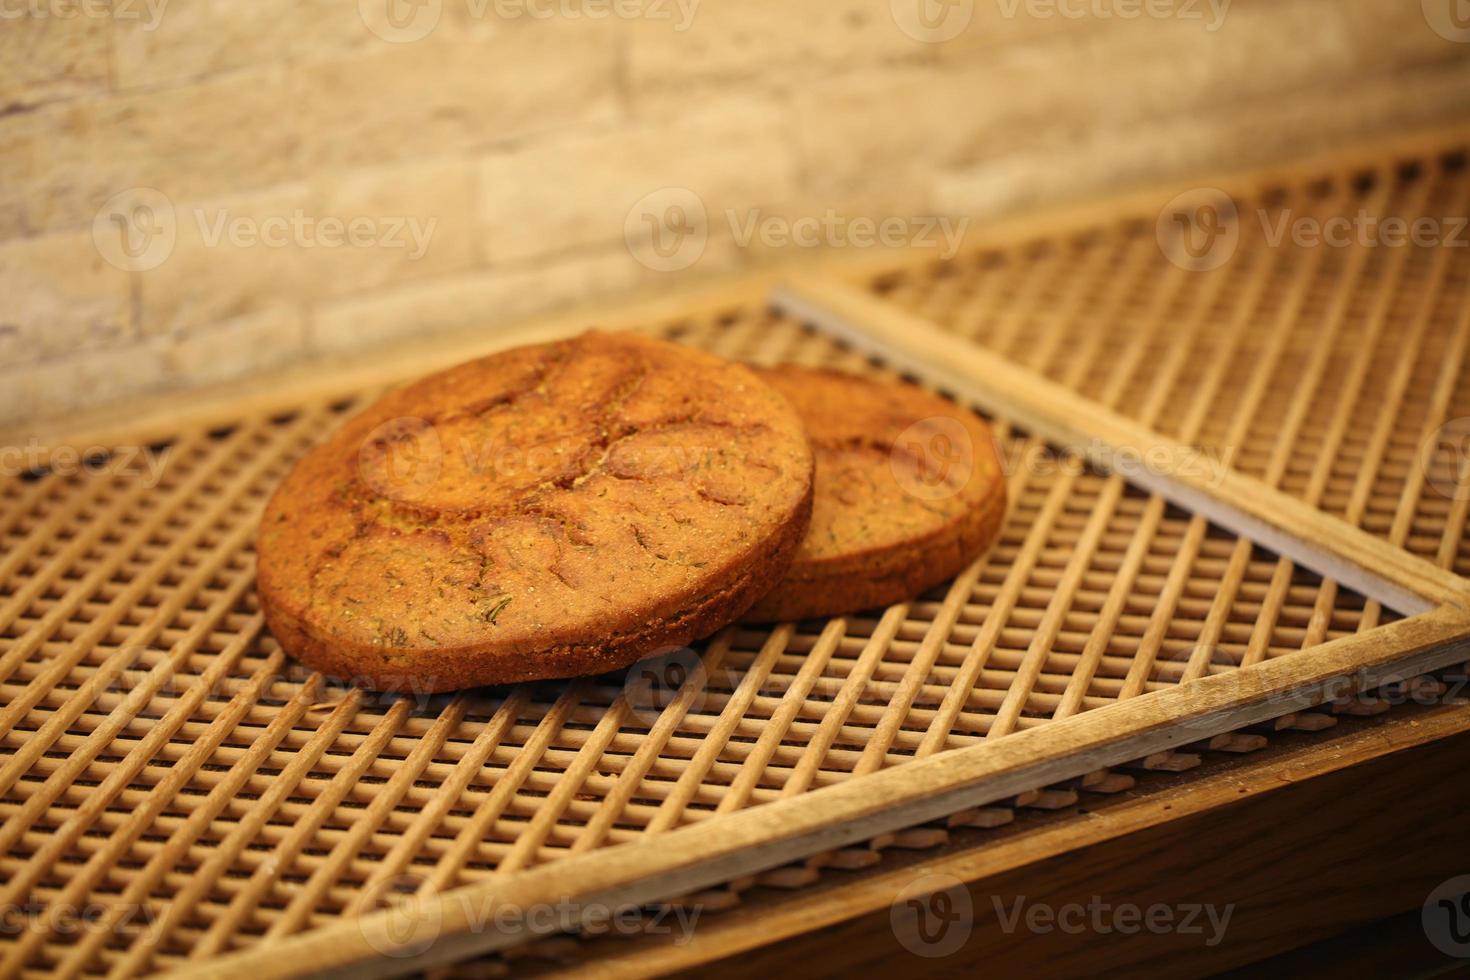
550	511
909	491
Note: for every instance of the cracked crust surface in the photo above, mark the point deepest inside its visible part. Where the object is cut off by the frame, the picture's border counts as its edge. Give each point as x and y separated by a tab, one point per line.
908	491
551	511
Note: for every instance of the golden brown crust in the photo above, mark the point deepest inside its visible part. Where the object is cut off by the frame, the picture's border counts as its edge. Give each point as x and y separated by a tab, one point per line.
550	511
909	491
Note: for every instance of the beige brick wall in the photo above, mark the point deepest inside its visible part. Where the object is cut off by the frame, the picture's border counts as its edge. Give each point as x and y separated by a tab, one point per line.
197	190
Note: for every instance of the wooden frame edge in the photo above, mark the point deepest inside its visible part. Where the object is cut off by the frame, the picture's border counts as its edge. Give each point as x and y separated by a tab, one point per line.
871	889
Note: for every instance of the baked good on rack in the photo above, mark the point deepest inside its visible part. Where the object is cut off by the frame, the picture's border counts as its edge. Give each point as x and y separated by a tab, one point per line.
550	511
909	491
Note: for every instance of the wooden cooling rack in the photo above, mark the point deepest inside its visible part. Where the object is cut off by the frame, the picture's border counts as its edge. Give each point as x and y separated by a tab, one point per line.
203	803
1350	375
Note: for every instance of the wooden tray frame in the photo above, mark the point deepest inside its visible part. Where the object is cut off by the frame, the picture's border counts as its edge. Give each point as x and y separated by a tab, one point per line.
1436	634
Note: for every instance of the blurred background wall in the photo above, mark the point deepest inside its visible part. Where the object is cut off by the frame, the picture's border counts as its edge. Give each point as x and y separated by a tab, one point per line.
198	190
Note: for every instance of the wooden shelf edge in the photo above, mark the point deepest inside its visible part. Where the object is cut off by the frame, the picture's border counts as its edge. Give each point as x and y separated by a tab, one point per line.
848	895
